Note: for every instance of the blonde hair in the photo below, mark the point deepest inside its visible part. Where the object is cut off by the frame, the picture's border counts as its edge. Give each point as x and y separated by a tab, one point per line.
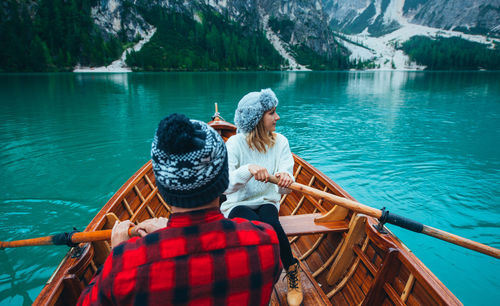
260	139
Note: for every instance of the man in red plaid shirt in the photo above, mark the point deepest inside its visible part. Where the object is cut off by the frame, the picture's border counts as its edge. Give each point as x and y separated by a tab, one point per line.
200	257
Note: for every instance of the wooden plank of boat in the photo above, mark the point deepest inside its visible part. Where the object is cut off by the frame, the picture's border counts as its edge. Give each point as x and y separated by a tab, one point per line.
346	262
305	225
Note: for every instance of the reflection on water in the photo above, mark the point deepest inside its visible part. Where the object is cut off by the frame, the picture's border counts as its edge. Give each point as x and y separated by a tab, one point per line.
17	293
425	145
24	270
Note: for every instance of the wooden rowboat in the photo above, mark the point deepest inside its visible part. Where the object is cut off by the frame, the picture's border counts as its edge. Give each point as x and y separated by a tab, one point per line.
345	260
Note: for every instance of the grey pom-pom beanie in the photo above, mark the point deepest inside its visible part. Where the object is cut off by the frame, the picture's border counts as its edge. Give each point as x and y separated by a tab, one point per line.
251	108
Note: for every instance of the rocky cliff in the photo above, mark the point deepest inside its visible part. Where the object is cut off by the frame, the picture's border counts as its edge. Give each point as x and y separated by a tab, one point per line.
369	30
378	17
469	16
373	29
308	22
315	34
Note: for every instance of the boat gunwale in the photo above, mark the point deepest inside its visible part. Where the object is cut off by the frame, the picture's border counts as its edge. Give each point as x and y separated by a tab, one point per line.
416	267
118	196
68	263
421	272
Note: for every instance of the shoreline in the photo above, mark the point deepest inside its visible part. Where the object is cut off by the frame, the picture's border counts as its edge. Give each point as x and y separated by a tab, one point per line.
101	71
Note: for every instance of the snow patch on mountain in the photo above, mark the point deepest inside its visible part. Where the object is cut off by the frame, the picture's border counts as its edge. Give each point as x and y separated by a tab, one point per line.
119	65
378	11
382	50
394	12
280	46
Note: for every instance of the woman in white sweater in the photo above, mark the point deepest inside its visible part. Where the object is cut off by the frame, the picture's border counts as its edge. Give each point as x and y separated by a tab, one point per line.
257	151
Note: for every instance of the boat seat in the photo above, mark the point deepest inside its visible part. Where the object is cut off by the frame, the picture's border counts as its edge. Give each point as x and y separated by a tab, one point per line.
304	225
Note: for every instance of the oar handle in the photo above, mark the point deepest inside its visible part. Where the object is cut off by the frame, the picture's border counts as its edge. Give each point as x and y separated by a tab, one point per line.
347	203
393	218
99	235
77	237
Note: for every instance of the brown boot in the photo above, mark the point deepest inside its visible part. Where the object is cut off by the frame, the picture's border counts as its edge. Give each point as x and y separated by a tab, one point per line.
294	294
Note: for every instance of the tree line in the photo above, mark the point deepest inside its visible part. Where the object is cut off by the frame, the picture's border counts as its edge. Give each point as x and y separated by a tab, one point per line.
215	43
52	35
453	53
56	35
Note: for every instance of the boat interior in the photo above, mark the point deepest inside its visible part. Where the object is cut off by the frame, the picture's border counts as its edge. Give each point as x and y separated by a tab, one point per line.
345	259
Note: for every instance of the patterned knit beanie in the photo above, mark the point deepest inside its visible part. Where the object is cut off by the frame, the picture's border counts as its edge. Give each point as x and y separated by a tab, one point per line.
251	108
189	162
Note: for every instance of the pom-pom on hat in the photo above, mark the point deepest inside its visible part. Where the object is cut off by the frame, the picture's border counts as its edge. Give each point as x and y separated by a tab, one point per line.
189	162
251	108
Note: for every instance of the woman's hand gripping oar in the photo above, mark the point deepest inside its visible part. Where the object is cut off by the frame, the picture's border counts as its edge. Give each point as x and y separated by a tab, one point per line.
384	216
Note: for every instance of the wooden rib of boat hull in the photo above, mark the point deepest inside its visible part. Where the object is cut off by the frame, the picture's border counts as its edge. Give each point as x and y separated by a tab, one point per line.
349	265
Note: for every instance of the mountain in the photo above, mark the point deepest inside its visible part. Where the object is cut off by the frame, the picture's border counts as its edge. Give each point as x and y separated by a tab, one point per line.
378	17
165	35
375	30
297	29
311	34
468	16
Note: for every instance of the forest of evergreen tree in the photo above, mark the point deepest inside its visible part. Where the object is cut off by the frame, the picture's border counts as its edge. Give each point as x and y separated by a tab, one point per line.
453	53
60	35
181	43
57	35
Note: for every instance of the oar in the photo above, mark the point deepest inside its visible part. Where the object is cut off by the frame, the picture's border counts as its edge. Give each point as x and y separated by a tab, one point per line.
385	216
70	239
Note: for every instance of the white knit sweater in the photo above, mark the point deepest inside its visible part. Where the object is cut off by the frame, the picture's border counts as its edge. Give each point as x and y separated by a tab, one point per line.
243	188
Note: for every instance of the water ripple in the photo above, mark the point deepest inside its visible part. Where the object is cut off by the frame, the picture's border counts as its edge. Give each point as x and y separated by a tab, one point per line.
424	145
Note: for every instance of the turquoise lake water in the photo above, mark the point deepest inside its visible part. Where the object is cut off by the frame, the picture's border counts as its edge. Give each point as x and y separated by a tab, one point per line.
424	145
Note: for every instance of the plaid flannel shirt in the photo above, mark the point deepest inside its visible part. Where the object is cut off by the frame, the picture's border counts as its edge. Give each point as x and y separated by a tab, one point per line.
200	258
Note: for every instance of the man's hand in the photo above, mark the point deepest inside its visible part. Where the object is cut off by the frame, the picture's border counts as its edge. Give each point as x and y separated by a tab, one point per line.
284	179
151	225
259	173
119	233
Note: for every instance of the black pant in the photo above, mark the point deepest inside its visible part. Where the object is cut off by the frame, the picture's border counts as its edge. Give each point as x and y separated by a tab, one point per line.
269	214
